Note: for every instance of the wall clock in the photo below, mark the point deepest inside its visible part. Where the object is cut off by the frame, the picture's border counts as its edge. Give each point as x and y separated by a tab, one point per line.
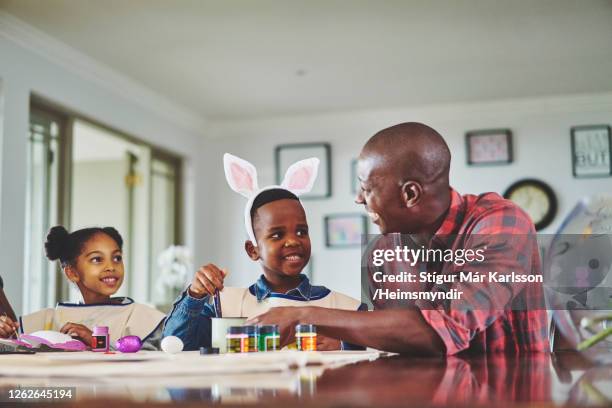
536	198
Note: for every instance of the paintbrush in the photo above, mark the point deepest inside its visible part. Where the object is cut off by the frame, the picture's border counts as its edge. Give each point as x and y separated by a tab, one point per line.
217	303
217	297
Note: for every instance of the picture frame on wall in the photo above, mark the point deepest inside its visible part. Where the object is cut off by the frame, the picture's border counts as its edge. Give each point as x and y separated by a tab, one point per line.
489	147
287	154
591	151
345	230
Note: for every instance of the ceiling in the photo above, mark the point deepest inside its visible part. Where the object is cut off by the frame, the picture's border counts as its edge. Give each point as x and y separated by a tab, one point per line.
244	58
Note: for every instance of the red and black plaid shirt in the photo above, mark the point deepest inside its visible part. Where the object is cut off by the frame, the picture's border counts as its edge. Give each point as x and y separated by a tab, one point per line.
489	317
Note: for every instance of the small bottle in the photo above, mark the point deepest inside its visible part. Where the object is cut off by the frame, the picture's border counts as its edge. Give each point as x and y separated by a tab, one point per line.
251	332
100	339
236	339
306	337
269	337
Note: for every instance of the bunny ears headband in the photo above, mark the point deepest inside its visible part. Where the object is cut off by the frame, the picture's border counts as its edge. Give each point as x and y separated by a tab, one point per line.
242	178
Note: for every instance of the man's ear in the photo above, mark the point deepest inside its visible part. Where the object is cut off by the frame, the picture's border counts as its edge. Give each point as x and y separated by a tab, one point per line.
412	192
251	250
71	274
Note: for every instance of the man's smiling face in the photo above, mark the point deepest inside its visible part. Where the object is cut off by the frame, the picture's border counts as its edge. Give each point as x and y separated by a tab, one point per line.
380	193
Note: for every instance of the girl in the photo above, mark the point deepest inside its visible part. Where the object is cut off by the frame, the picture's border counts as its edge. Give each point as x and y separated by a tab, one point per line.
91	258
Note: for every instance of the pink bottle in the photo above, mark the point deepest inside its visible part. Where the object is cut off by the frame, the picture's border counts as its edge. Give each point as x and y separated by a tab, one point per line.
100	339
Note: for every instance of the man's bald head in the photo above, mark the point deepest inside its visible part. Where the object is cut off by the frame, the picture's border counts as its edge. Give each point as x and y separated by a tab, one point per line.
404	176
414	150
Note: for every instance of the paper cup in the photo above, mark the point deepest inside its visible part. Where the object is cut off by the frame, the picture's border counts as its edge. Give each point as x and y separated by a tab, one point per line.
219	330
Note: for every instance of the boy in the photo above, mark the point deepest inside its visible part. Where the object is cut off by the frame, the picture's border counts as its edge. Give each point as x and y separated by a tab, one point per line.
276	223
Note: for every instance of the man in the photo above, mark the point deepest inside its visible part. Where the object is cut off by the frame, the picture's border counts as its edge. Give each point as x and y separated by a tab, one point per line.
404	176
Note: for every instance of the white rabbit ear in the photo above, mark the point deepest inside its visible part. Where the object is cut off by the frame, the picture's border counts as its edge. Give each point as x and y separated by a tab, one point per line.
240	175
300	176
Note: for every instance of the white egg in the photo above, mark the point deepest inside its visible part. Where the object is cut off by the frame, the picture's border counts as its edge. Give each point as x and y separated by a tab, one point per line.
172	344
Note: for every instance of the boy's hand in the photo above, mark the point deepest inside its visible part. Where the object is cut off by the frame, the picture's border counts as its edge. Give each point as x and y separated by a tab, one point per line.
79	331
206	281
8	328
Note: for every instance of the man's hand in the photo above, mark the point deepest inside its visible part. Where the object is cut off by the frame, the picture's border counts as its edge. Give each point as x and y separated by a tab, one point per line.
327	343
8	328
79	331
399	331
206	281
285	317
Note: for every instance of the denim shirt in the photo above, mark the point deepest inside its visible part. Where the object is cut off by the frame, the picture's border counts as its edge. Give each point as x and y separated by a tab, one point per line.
190	317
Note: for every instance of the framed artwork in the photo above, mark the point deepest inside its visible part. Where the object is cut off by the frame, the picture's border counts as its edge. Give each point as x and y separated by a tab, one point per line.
485	147
345	230
354	180
286	155
591	151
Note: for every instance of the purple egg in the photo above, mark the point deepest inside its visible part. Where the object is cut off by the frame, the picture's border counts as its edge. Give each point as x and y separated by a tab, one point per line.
128	344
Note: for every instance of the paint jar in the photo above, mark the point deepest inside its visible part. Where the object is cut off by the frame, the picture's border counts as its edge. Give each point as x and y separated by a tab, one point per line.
306	337
219	328
236	339
251	332
269	337
100	339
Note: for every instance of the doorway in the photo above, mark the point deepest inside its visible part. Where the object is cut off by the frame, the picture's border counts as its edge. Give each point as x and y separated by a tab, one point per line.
84	174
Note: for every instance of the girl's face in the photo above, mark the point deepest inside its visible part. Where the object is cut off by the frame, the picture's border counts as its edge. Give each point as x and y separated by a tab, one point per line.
98	270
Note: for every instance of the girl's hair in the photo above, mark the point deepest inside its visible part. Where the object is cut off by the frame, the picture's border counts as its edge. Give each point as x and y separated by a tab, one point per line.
67	246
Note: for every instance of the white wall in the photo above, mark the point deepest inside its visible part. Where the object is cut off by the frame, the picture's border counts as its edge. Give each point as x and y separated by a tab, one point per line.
25	69
542	150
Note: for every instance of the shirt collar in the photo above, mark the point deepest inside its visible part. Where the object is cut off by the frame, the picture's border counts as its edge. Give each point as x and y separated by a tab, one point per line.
116	301
454	216
263	290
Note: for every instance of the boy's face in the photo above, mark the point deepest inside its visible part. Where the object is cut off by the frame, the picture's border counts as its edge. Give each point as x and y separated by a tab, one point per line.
99	268
283	243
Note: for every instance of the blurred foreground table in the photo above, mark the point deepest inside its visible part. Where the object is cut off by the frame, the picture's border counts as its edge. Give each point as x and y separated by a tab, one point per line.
517	380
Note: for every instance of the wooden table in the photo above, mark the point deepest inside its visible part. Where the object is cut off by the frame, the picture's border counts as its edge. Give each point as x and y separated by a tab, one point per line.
548	380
